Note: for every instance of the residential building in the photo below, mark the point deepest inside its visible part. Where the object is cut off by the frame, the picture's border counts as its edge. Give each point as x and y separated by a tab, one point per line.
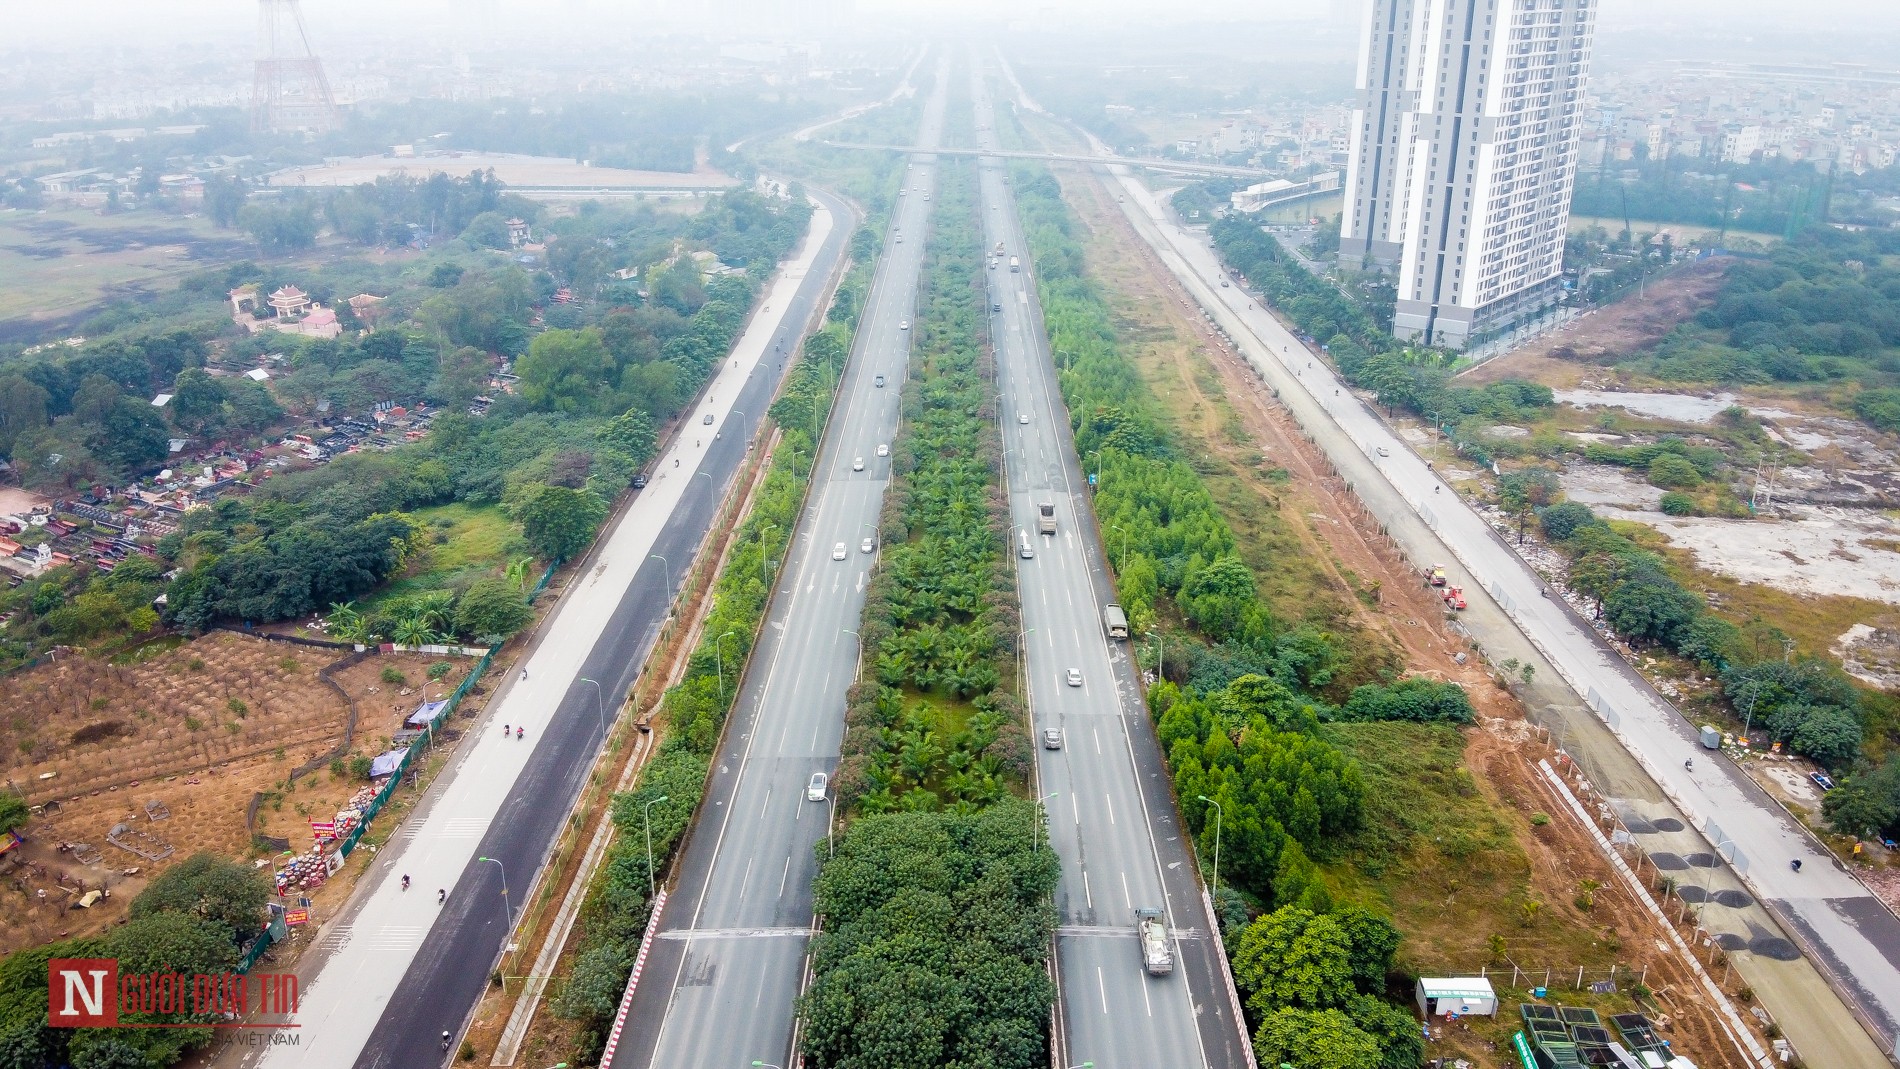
1464	150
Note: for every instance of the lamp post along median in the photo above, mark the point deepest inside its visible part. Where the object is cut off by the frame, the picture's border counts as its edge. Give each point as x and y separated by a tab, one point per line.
600	703
1217	821
646	811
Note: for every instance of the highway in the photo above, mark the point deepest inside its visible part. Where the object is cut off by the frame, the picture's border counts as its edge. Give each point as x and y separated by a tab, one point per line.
1853	937
729	960
394	970
1112	818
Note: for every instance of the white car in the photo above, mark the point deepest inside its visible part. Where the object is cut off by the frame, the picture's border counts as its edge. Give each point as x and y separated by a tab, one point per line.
866	546
1075	677
883	450
707	419
815	790
837	551
857	463
905	325
1382	451
1022	417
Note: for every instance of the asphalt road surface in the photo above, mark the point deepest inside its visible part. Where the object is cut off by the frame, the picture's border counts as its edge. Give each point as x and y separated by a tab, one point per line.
1112	818
729	960
395	970
1854	937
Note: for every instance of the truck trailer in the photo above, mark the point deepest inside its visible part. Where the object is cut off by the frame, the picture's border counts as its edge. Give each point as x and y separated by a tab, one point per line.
1046	517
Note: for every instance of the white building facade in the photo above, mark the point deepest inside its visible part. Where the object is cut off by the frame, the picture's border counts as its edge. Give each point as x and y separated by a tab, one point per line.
1464	151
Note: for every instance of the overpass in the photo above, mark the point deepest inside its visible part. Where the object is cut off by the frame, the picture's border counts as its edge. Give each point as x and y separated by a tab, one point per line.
1128	161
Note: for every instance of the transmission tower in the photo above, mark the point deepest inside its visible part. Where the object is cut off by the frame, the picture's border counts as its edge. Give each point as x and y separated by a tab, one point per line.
290	91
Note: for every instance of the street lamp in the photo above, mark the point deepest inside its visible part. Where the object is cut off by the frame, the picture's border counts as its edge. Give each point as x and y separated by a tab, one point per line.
1036	841
1022	656
859	670
764	578
1097	454
1217	821
719	662
669	573
1124	531
877	537
1161	656
831	818
646	812
600	703
763	1065
507	910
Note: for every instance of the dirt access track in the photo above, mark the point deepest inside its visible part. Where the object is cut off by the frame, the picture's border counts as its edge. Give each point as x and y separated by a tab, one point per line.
119	743
1390	599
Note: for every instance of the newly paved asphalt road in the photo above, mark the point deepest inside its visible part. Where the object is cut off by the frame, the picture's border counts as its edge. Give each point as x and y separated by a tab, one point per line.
1112	818
728	963
395	970
1854	938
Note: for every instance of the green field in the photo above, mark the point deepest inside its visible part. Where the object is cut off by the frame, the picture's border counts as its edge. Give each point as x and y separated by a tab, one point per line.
465	542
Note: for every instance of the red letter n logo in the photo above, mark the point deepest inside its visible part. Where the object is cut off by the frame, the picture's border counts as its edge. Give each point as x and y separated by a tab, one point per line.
82	992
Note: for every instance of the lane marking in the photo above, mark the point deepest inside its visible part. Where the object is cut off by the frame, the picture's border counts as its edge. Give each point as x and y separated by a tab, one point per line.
766	804
1102	986
1087	894
1111	806
783	876
1126	897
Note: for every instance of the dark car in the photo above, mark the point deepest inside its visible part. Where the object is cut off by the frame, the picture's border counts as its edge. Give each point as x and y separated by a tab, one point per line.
640	481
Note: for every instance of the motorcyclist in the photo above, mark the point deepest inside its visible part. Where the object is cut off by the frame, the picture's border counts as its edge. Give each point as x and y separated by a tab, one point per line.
405	881
520	733
1688	764
441	895
1796	863
504	731
445	1041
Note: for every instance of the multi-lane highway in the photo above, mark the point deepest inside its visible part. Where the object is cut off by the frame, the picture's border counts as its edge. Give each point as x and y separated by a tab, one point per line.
1112	819
1855	939
395	970
724	972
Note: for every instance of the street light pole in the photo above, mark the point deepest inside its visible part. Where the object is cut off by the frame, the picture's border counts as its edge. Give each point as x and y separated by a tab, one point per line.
507	910
646	812
719	662
1022	657
1036	841
668	572
600	703
1124	531
764	579
1161	656
1217	822
859	670
1097	454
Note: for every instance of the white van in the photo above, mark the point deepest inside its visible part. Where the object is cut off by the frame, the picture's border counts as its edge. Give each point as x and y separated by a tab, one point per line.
1025	548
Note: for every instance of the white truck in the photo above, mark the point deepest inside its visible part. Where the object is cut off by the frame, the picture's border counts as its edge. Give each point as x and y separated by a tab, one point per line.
1015	264
1046	517
1157	951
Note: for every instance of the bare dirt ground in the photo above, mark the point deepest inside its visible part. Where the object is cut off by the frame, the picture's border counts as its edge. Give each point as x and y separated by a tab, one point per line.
117	741
1391	601
1611	333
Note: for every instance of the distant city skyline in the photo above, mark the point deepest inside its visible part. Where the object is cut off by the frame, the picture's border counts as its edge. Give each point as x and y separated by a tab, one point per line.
157	23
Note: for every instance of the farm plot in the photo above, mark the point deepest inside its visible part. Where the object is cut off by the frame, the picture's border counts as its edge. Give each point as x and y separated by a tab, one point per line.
127	801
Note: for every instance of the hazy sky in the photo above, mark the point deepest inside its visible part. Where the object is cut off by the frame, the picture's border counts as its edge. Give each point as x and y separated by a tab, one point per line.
79	24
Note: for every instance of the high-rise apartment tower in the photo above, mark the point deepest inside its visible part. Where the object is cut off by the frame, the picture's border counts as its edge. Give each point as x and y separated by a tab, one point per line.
1464	150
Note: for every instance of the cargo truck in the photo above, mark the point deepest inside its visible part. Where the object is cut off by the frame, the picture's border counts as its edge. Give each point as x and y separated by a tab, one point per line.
1157	953
1046	517
1116	621
1015	264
